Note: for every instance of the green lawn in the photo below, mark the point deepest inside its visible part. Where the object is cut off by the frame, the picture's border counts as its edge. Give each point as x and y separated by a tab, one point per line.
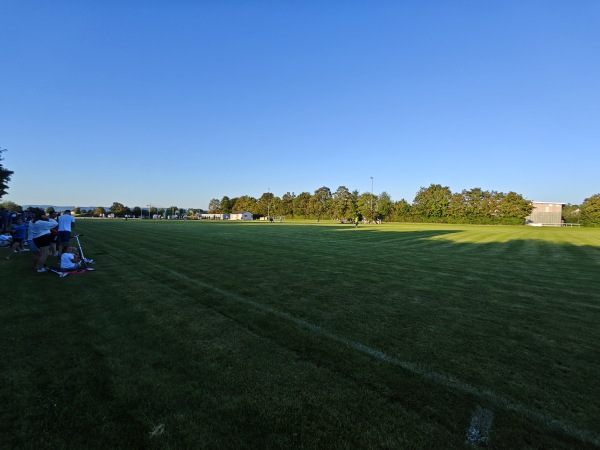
304	335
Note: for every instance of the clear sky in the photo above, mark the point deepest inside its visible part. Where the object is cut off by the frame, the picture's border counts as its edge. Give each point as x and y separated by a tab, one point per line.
173	103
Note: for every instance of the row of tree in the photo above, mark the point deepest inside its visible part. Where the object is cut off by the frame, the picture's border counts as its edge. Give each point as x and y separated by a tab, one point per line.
435	203
432	204
119	210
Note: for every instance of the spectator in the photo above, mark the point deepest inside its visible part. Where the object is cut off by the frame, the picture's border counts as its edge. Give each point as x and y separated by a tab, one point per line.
19	230
69	260
66	222
30	243
40	231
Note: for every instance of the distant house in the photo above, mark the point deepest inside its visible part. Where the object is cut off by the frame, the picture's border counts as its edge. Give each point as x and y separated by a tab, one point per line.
545	214
240	215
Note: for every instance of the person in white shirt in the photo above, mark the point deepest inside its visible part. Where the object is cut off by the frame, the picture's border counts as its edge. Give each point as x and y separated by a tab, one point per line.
66	222
40	233
69	260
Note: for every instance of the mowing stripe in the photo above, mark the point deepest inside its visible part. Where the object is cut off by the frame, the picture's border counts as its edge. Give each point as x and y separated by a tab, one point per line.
436	377
481	424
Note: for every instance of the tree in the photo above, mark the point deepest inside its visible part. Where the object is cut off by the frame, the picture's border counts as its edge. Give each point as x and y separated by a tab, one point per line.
342	203
4	176
287	204
226	205
511	208
353	206
402	211
276	207
590	211
320	203
363	204
11	206
263	204
50	210
99	211
137	211
477	205
172	211
384	206
301	205
457	209
118	209
431	204
571	213
214	206
245	203
34	210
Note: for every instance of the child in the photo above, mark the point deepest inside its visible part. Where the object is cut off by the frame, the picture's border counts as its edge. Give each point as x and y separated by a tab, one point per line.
69	260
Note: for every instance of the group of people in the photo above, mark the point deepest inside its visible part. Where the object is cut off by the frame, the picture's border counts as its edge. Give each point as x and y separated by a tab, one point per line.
45	235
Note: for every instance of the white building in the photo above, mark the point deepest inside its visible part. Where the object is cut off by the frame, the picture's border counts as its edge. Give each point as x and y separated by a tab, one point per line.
545	214
208	216
240	215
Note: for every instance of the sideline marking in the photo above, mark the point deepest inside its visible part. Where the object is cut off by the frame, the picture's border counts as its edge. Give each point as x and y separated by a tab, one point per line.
481	424
436	377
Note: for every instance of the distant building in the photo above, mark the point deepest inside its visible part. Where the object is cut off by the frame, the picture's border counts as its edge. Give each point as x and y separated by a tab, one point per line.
545	214
240	215
208	216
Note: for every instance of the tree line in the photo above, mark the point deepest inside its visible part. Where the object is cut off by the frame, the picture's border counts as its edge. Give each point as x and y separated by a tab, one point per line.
436	203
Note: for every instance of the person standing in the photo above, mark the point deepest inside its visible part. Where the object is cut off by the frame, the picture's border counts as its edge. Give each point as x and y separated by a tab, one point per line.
19	230
66	222
40	232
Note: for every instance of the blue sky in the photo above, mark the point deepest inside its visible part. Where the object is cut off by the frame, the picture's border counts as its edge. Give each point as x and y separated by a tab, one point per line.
173	103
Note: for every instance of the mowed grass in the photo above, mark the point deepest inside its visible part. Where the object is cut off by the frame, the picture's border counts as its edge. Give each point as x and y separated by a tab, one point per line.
304	335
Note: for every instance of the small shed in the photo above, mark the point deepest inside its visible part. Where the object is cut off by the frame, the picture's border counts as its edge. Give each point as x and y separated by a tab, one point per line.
240	215
547	214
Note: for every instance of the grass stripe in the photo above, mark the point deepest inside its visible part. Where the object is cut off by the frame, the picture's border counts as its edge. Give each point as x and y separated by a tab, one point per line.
436	377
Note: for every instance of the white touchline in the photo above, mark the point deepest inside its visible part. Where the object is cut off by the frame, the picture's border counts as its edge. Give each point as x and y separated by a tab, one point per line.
437	377
481	424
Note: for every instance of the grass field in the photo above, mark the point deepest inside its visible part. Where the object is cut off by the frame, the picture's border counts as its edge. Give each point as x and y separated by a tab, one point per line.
305	335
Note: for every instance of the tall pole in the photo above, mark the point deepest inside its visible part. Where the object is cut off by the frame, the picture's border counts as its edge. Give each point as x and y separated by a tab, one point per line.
371	198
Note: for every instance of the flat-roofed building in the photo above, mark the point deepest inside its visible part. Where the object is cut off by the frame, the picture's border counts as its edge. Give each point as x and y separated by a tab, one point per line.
240	215
545	214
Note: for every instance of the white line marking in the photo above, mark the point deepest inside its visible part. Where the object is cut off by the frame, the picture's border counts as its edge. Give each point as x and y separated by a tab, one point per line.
481	424
439	378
